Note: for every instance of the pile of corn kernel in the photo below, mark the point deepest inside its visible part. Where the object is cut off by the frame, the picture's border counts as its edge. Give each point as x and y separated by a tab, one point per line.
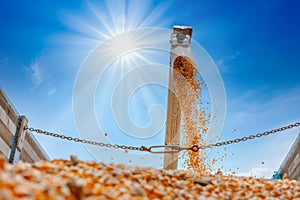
75	179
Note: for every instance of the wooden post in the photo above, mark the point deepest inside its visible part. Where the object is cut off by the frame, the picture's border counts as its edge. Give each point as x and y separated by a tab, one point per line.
17	140
180	41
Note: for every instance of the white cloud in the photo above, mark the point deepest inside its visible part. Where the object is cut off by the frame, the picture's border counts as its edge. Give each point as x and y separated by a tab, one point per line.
52	91
34	73
222	63
265	102
259	172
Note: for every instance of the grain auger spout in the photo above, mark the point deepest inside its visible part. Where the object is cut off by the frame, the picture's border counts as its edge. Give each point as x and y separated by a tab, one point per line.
180	61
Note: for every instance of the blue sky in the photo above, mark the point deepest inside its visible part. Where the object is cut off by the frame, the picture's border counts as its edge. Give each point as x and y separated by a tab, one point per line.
255	46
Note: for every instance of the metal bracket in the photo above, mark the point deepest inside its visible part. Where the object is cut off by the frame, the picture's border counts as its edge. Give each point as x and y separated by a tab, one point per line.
181	36
17	140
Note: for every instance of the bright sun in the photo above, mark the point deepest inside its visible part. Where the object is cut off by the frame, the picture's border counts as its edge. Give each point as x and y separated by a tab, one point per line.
110	21
121	45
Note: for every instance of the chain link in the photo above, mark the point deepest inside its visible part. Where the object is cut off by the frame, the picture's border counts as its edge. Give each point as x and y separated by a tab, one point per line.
174	149
116	146
251	137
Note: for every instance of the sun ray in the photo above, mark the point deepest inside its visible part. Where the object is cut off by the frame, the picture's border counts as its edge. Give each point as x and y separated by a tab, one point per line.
87	28
117	13
155	14
106	25
143	58
115	24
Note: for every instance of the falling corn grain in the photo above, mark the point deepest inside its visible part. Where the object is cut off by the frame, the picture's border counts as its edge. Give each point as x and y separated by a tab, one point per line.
194	116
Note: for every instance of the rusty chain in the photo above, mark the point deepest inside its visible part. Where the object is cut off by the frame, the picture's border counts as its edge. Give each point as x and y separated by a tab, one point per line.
167	148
